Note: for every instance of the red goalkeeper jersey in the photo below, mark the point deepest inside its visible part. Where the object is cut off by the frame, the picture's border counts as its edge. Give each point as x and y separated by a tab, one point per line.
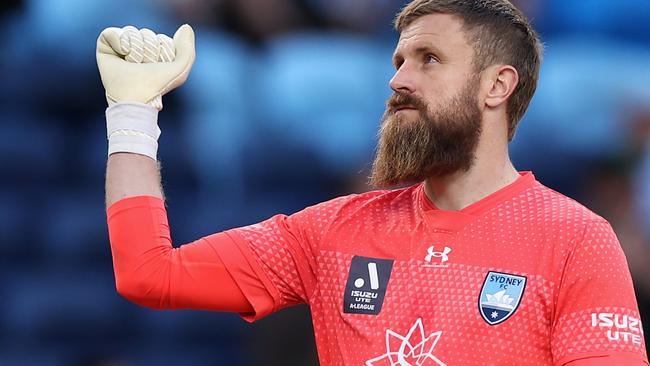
525	276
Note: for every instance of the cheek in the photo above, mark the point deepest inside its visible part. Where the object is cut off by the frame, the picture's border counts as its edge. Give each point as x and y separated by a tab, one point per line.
439	87
437	97
442	88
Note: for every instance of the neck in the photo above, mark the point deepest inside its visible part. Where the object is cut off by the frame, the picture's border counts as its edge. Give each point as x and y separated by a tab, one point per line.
492	170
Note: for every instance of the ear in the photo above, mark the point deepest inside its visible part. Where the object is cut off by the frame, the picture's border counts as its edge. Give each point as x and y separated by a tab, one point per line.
501	83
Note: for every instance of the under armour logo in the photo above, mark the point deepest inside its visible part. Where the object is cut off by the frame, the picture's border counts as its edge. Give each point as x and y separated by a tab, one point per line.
444	255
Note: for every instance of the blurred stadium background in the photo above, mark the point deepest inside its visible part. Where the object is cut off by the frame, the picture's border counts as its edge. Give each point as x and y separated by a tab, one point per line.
280	112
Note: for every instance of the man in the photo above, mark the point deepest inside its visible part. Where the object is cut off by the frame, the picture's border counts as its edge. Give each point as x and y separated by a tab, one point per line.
473	264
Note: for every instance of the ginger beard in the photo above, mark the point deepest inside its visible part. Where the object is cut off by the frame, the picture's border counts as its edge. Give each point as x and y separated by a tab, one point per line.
435	144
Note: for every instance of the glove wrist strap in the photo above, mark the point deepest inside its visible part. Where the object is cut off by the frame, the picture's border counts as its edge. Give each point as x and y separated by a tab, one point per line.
132	127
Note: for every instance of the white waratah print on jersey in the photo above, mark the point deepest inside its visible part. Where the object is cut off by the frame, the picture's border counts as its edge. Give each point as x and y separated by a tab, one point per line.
403	351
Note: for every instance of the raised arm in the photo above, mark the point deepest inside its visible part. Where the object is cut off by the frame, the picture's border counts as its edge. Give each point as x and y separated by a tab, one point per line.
137	68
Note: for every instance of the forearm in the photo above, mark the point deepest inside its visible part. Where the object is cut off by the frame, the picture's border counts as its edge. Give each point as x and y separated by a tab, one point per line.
137	68
129	175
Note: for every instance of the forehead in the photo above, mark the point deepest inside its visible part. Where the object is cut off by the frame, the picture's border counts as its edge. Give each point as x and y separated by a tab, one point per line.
444	32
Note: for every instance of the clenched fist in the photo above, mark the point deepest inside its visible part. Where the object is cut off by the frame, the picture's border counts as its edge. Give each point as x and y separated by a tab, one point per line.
141	66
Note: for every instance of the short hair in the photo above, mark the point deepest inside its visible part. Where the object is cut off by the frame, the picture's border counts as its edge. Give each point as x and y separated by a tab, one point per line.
499	33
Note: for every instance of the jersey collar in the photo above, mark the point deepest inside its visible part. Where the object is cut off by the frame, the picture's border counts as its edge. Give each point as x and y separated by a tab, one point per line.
454	220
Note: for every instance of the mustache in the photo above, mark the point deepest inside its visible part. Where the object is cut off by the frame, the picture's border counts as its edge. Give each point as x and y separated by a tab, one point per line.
399	100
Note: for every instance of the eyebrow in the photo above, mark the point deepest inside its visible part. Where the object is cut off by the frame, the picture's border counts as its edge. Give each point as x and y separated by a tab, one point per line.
420	50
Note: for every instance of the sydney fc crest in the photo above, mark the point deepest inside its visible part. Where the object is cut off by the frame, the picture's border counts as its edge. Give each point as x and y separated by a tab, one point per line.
500	296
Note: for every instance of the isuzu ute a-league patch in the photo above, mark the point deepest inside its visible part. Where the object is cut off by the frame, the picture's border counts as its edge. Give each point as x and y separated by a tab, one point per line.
366	285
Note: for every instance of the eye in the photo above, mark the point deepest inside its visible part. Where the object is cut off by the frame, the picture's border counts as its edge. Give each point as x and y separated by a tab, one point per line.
398	63
430	59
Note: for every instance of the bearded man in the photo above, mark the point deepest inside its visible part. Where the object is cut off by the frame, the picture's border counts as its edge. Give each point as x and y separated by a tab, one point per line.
471	263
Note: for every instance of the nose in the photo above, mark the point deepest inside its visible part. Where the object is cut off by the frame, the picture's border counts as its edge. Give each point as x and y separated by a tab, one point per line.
403	81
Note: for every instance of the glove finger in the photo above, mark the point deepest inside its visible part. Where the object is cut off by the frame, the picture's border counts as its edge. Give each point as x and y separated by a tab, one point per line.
133	44
184	45
167	51
109	42
125	43
151	45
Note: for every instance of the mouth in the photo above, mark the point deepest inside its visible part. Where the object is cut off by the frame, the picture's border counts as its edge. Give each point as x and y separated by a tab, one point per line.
404	107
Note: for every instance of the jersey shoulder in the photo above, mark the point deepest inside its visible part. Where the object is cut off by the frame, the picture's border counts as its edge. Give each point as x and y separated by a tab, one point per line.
558	210
372	207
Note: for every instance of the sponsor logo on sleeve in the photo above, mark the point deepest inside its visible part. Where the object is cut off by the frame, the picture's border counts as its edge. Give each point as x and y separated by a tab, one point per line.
618	327
500	296
366	285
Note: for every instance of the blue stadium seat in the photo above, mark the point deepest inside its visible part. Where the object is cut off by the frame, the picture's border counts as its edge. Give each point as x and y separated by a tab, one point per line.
61	303
184	354
27	355
325	92
76	230
64	32
91	149
623	18
196	327
580	105
47	22
31	147
217	108
16	225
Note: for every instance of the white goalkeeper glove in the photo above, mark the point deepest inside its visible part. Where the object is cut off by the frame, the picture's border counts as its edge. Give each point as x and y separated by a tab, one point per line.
137	68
